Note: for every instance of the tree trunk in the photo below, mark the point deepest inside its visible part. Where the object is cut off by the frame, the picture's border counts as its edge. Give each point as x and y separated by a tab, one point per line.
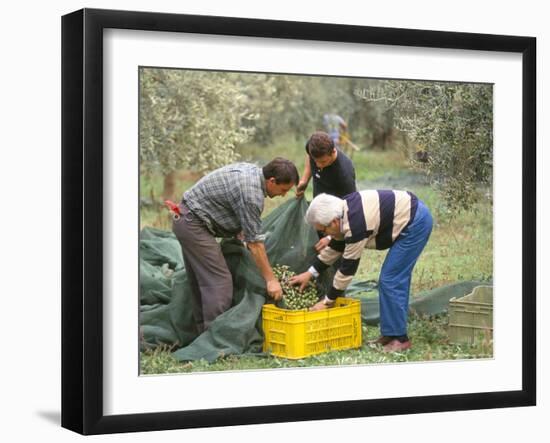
169	190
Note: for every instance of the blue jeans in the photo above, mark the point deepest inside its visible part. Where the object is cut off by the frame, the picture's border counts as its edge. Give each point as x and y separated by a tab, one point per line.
395	277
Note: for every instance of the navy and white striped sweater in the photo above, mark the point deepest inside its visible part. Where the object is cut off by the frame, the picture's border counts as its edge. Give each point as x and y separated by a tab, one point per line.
371	219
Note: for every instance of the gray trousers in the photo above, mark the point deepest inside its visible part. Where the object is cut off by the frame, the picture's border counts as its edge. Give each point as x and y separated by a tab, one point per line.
209	278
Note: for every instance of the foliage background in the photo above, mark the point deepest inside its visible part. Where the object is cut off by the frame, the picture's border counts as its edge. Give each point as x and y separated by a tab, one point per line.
200	120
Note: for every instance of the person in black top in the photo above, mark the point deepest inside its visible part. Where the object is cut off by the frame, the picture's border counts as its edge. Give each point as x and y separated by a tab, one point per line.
332	171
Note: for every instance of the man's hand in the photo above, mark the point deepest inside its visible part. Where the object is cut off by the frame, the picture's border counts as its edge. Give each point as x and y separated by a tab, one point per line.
301	189
322	244
319	306
274	289
301	279
257	249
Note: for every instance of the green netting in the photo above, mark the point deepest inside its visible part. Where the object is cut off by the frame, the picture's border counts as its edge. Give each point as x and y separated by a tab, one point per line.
431	302
165	298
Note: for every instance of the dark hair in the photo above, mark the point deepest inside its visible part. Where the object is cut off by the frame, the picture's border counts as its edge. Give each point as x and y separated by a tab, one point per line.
282	170
320	144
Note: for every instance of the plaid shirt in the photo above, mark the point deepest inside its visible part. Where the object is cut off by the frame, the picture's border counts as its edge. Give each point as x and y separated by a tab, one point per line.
230	200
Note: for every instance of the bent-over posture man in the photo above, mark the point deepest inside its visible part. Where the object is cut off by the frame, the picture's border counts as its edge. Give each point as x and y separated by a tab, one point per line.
228	202
394	220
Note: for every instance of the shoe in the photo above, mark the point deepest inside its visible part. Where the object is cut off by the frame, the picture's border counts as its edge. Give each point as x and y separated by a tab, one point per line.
397	346
382	340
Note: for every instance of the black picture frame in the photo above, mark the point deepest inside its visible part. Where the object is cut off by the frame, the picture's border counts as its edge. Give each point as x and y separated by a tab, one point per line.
82	218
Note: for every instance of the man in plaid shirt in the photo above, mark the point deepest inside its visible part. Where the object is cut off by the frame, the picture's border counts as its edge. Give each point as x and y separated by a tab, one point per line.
228	202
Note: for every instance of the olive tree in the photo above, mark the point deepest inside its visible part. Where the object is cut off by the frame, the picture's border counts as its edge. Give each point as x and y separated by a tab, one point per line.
451	125
189	119
280	105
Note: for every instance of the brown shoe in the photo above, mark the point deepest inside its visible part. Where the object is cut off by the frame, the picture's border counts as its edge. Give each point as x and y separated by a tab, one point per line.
397	346
382	340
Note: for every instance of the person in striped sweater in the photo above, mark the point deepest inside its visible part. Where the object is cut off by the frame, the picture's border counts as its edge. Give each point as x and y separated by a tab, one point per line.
374	219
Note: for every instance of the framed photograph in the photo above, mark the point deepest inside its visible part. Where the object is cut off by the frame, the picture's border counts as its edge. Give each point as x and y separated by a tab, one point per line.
159	109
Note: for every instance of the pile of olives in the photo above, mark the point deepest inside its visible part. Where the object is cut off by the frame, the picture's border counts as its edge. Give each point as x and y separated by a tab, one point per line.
293	299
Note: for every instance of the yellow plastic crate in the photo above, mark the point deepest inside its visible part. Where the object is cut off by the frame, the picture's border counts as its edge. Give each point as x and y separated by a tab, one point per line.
471	316
298	334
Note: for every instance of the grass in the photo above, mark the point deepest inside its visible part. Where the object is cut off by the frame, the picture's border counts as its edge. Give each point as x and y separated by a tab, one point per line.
460	248
430	343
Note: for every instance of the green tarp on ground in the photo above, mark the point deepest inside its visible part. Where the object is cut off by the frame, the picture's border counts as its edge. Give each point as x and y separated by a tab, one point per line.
165	301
